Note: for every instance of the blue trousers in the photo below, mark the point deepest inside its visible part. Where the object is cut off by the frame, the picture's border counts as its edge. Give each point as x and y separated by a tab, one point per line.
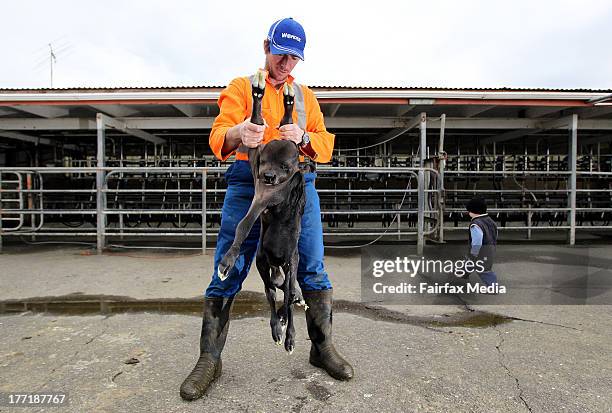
240	191
488	278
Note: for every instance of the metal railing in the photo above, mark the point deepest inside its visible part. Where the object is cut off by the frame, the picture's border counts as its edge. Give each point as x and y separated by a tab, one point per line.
105	209
185	204
535	207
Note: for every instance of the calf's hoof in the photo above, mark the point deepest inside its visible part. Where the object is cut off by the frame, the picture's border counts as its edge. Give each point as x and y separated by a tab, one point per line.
277	331
225	266
289	344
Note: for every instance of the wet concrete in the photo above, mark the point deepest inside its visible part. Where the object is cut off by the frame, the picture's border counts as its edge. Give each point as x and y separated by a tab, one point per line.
120	332
247	304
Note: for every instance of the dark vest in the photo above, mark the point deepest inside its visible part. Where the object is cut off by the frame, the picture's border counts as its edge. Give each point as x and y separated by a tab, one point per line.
489	239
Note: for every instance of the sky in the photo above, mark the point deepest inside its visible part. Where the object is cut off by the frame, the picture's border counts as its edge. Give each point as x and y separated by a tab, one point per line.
469	43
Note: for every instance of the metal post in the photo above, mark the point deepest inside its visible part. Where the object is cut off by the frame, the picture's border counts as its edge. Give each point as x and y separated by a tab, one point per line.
30	186
121	221
399	226
573	145
0	212
441	166
421	186
204	178
121	157
101	218
598	156
529	218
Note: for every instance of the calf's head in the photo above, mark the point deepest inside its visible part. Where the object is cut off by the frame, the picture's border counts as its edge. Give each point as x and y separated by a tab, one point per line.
277	161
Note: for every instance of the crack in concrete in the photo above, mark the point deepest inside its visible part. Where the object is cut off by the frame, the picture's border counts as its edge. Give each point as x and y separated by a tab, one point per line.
545	323
501	363
95	337
471	309
116	375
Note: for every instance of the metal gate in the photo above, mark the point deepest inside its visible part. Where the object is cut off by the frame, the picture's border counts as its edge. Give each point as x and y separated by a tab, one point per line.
11	197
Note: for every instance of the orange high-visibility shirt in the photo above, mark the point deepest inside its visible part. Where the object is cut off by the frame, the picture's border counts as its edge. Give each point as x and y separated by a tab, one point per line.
236	103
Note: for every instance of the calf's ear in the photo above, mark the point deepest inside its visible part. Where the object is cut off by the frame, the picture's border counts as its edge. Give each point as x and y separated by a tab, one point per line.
296	192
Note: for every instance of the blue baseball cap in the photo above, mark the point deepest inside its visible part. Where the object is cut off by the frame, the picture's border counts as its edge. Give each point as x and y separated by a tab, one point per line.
287	36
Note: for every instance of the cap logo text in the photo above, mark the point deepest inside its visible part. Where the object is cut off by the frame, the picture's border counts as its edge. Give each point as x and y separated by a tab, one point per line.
291	36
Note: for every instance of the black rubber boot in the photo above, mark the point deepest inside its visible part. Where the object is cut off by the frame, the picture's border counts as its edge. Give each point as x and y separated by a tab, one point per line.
322	351
215	322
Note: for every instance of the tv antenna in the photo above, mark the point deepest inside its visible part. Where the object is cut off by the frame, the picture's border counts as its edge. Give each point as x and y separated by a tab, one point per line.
49	53
52	59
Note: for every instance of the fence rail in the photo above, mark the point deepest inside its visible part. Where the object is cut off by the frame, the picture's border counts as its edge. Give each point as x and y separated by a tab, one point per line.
129	201
106	210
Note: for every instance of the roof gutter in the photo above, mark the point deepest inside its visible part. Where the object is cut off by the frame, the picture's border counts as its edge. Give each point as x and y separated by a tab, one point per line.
449	94
321	94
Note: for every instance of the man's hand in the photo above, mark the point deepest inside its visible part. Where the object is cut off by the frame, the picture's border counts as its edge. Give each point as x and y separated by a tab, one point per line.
291	132
251	135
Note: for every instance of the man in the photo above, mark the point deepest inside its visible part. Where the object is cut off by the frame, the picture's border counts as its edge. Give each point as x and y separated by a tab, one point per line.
483	239
284	48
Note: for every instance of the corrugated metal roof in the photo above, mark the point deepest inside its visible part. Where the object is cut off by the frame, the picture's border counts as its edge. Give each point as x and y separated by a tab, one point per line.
107	89
471	89
332	87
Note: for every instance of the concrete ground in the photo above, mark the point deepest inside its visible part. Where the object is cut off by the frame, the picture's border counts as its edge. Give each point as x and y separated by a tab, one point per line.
65	329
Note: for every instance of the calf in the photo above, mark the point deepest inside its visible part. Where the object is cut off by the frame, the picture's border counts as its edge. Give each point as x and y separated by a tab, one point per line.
279	200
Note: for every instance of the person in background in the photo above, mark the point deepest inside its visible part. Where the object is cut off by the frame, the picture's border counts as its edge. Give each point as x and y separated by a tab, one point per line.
483	239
